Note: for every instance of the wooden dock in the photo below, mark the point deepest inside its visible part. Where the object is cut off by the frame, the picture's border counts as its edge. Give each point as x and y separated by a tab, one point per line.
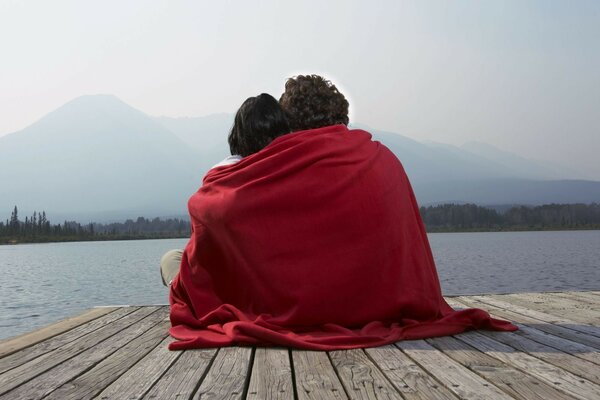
121	353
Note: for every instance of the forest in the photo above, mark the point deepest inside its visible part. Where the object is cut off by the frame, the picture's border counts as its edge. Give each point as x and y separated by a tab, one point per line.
471	217
37	228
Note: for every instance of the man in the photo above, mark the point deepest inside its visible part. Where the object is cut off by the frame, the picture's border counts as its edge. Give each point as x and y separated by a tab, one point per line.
313	242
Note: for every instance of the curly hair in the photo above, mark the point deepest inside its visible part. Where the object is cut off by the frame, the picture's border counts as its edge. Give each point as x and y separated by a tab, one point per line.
311	101
258	121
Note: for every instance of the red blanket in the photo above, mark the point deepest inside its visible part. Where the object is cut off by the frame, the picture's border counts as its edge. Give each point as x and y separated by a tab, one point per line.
314	242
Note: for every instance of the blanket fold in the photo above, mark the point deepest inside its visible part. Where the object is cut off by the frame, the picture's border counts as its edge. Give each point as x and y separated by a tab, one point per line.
314	242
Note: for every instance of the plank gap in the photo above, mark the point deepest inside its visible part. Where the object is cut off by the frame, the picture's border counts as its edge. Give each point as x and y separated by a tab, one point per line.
294	388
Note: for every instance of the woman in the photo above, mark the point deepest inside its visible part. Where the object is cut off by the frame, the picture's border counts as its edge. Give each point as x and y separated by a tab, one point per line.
257	122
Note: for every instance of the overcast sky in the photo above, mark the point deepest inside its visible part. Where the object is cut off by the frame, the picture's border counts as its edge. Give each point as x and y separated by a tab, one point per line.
521	75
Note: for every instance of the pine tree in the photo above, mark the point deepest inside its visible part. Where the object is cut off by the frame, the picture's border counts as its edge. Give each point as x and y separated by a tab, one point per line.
14	221
14	217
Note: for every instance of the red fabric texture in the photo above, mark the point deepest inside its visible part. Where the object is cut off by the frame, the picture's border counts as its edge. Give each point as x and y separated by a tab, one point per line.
315	242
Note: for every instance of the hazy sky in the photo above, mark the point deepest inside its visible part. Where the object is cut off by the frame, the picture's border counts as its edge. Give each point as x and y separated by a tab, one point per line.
521	75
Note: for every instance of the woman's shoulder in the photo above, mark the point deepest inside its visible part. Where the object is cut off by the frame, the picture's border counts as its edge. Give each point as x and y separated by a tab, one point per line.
228	161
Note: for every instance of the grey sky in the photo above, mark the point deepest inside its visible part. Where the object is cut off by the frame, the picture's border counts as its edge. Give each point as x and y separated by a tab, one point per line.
521	75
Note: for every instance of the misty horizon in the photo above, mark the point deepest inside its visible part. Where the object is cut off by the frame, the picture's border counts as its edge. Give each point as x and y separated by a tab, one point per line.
574	173
99	156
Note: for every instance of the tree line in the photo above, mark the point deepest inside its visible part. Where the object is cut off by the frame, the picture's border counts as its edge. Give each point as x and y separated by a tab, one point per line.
471	217
440	218
37	228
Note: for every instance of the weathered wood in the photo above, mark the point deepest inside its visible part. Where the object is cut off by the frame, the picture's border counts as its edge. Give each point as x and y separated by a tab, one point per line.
271	374
514	382
10	345
23	373
361	378
123	354
412	381
315	376
54	374
228	374
583	297
560	379
183	377
460	380
29	353
585	328
94	380
557	338
577	366
552	329
555	305
138	380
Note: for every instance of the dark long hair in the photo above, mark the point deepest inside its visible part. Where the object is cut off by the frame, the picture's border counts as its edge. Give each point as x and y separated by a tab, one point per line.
258	121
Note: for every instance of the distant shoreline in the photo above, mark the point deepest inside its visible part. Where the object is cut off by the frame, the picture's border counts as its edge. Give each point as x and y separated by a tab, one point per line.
516	229
8	242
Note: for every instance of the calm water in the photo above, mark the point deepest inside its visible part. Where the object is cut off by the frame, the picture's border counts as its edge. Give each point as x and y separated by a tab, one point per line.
43	283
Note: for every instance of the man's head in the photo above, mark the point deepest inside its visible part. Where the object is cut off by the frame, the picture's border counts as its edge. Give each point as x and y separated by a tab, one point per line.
311	101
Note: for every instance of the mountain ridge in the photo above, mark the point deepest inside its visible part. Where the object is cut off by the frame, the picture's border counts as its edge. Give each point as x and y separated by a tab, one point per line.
96	155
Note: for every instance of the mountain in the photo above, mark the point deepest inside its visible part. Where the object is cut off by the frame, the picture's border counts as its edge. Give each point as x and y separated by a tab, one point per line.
428	163
97	158
203	134
206	136
482	174
534	168
97	154
507	191
475	172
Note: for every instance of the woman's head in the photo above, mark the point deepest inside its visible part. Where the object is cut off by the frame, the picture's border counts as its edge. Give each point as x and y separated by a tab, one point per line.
258	121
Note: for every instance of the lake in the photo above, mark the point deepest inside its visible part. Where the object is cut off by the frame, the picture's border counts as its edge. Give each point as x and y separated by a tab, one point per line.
43	283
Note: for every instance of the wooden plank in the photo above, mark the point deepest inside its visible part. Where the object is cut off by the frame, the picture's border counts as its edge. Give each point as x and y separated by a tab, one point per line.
559	342
228	374
271	374
539	315
412	381
19	357
569	301
463	382
315	376
8	346
183	376
556	330
138	380
516	383
585	297
94	380
49	373
361	378
577	366
555	305
37	366
557	377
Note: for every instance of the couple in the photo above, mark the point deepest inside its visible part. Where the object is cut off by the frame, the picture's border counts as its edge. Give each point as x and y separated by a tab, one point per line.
308	236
